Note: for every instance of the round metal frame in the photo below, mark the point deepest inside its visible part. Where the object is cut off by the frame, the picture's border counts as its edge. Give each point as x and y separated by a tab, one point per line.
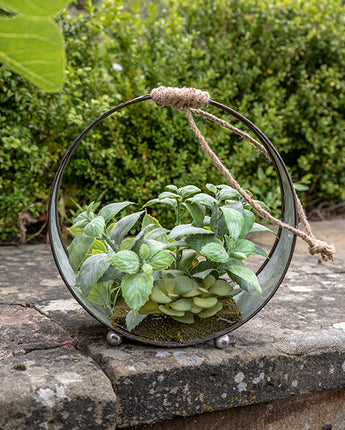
270	274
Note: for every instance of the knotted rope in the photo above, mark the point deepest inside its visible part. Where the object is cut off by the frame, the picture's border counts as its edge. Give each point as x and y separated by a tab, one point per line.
190	100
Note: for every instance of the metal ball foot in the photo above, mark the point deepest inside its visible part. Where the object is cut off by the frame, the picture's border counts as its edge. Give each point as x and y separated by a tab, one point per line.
222	341
113	339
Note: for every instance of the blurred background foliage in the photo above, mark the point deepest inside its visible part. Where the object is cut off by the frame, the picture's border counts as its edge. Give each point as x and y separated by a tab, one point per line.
279	62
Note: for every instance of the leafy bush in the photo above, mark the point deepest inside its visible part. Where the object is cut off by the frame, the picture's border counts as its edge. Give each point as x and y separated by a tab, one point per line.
280	63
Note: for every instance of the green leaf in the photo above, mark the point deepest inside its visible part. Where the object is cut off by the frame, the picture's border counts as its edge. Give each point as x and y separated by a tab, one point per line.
81	220
109	211
259	228
78	249
234	221
169	202
123	226
188	256
187	230
153	245
147	269
209	247
35	7
172	188
168	195
204	273
188	190
136	290
126	261
34	48
144	251
227	193
95	227
149	220
158	233
100	293
211	188
92	269
260	251
243	249
204	199
215	252
112	274
161	260
133	319
197	212
249	219
245	273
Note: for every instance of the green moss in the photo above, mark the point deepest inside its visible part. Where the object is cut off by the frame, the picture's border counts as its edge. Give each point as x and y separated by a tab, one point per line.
161	328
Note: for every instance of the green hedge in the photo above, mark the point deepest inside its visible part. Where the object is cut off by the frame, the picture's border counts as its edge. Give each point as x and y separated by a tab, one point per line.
279	62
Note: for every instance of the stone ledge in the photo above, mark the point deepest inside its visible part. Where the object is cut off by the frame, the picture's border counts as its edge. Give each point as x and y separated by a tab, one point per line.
296	345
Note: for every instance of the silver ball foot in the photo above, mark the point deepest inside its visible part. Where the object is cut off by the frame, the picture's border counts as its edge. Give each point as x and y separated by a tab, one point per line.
114	339
222	341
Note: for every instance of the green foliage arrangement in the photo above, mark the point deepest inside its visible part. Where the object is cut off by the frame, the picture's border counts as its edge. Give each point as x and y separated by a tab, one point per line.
175	272
279	62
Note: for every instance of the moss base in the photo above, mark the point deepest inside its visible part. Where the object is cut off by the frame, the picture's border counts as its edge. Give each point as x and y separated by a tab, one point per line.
161	328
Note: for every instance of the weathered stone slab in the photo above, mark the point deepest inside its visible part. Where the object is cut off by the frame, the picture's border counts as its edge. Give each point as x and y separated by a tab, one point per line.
24	329
29	274
55	389
71	316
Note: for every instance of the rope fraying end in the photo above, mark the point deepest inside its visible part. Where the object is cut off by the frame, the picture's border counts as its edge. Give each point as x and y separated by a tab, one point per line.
319	247
180	98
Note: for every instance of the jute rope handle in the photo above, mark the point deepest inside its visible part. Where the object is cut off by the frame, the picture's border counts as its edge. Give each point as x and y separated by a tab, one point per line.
190	100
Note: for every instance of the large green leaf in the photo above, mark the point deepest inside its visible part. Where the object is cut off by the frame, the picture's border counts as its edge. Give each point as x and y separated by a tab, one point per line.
243	249
187	230
91	271
245	273
78	249
133	319
197	212
204	199
123	226
249	219
136	290
208	246
109	211
188	190
234	221
259	228
34	48
126	261
35	7
161	260
95	227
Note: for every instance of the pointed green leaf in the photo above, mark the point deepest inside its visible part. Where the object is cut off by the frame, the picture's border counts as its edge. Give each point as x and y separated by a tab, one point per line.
188	190
215	251
92	269
187	259
234	221
123	226
203	199
172	188
161	260
260	251
34	48
126	261
95	227
244	272
35	7
204	273
212	188
243	249
197	212
112	274
168	195
259	228
187	230
136	290
78	249
81	220
228	193
109	211
249	219
144	251
147	269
